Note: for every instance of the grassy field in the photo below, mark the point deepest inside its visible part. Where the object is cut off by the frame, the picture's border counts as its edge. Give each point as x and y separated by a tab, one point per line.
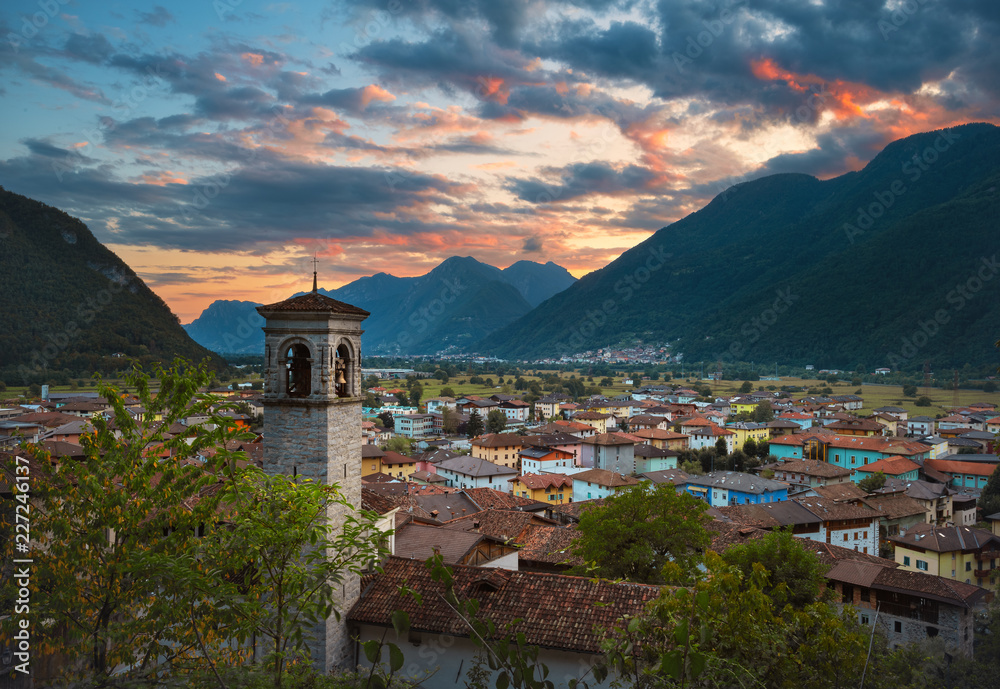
874	395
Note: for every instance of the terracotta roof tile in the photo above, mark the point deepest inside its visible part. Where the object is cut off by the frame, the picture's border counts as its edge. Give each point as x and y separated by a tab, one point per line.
313	301
555	611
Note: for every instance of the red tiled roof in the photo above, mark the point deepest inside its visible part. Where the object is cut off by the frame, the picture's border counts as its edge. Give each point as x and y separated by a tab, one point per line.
491	499
952	466
498	440
603	477
555	611
551	545
313	301
536	481
840	492
890	466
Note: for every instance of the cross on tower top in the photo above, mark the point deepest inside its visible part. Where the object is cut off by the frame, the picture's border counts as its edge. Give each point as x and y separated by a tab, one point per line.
315	263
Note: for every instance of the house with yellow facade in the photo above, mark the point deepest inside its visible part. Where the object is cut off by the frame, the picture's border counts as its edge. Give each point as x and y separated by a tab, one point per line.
743	405
665	440
398	465
597	420
744	431
554	489
960	553
500	448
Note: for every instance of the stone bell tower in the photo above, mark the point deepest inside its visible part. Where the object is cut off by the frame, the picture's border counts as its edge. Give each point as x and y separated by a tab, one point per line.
312	417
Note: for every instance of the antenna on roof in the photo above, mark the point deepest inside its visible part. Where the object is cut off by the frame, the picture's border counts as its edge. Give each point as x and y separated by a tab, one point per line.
315	262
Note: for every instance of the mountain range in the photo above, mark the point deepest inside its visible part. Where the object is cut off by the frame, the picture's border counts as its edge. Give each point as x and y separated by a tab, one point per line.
71	305
454	305
892	265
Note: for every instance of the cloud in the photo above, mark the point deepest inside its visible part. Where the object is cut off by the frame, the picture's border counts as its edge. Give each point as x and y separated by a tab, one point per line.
585	179
532	245
159	17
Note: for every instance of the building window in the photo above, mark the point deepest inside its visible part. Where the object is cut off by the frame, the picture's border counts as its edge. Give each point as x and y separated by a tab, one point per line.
906	560
898	627
845	537
968	566
922	565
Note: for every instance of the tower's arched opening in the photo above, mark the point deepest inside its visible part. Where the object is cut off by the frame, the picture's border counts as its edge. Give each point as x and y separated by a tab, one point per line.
343	373
298	371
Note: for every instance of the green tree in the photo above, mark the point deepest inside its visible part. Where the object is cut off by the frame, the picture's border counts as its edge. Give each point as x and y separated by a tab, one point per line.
746	387
496	421
795	575
449	421
872	483
638	531
989	386
725	631
989	499
448	392
416	392
388	422
750	447
721	449
474	426
400	444
909	391
442	375
294	560
108	523
923	401
3	386
763	412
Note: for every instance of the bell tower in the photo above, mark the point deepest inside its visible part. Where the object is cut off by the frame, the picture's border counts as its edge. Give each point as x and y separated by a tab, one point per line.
312	418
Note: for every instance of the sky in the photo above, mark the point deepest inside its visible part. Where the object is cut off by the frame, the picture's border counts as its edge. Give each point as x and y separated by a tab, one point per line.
218	145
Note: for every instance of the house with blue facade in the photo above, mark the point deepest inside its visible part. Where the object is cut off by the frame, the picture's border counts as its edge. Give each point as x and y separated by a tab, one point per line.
721	488
649	458
847	451
895	467
962	472
599	483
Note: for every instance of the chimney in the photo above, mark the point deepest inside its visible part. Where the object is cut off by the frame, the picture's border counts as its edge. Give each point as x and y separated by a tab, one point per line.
434	514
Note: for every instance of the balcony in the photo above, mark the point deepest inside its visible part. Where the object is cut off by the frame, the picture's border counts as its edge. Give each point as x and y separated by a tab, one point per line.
984	573
988	555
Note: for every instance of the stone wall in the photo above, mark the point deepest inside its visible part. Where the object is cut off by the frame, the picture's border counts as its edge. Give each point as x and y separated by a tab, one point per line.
321	440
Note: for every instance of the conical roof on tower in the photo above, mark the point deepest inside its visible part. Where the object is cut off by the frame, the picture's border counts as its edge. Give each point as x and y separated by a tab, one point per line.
315	302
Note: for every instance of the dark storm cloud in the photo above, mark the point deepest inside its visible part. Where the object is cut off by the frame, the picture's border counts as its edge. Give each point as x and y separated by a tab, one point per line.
833	153
532	245
268	200
93	48
583	179
45	149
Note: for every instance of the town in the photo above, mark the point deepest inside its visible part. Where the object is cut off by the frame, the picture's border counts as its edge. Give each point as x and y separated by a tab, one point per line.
498	489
